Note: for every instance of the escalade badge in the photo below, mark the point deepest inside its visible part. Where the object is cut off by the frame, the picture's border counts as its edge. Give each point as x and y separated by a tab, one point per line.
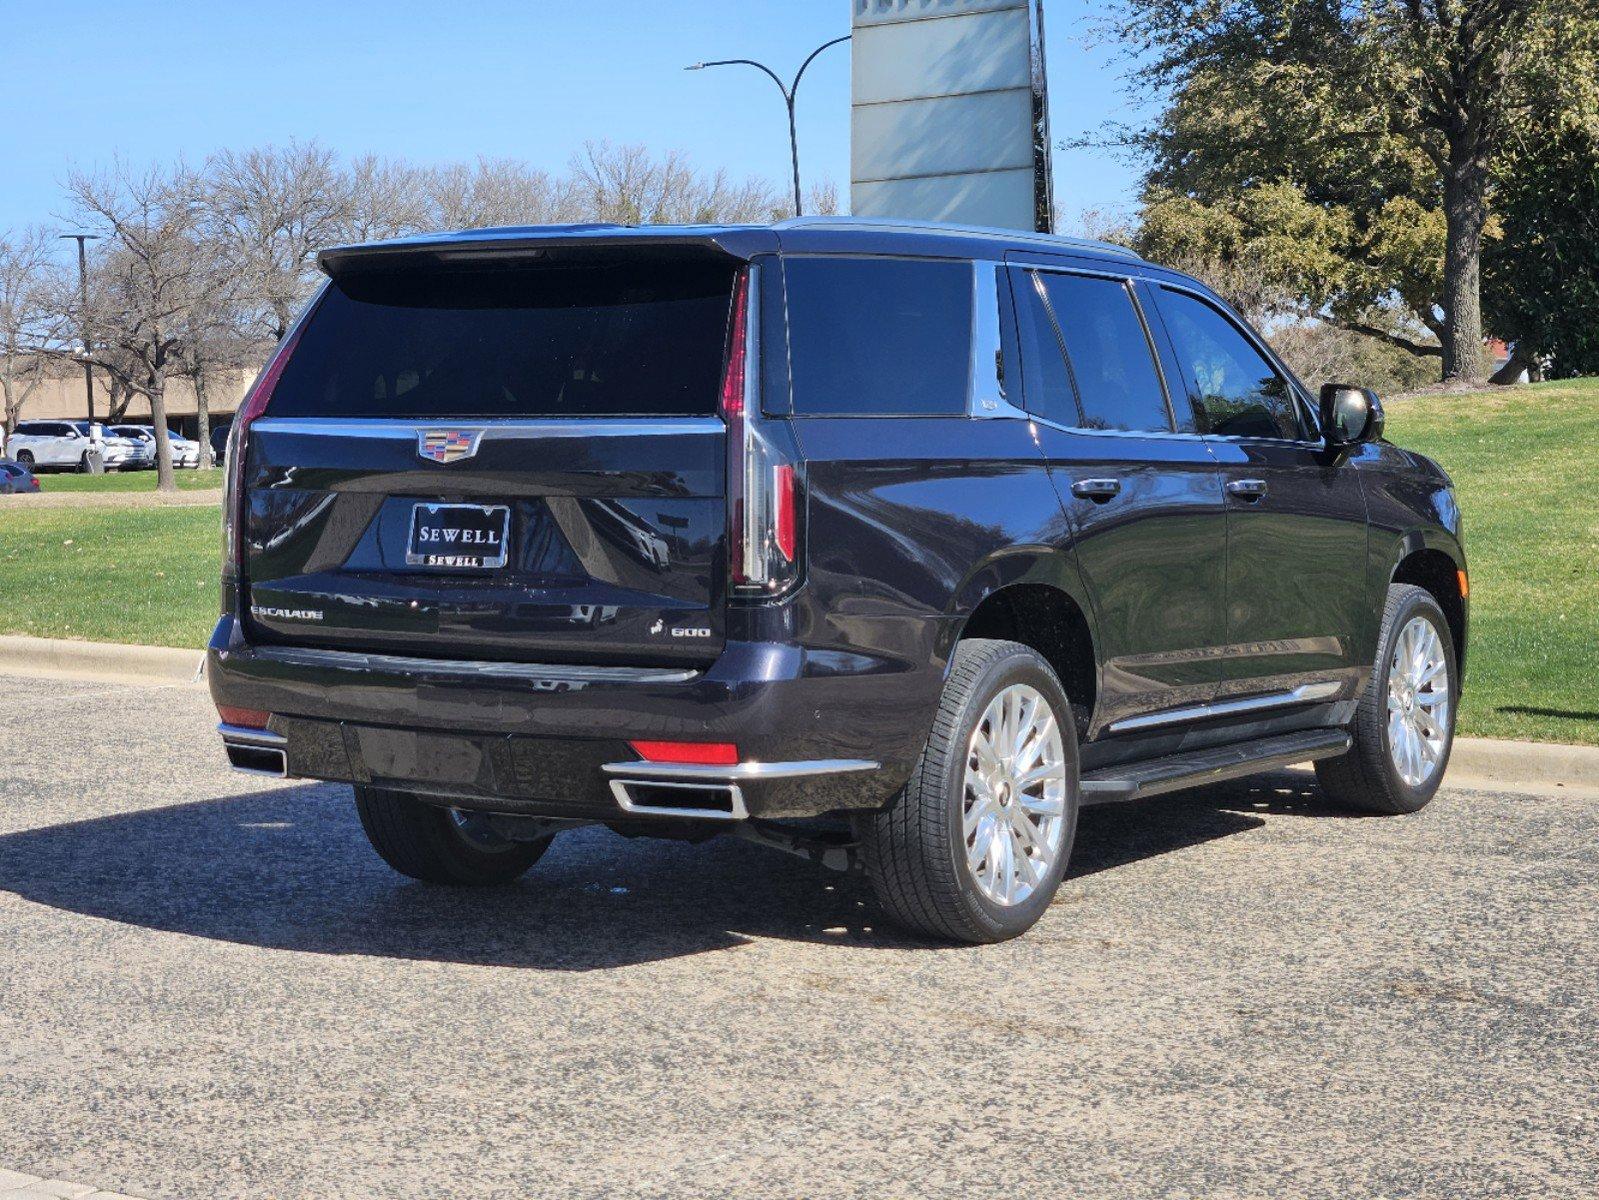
447	445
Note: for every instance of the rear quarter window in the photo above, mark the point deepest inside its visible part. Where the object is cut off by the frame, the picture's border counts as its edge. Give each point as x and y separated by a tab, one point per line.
879	336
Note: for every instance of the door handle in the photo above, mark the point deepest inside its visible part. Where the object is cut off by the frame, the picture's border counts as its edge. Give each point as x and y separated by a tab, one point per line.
1096	489
1247	489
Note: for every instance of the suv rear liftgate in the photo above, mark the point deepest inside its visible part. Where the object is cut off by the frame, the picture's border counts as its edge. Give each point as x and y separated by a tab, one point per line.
544	470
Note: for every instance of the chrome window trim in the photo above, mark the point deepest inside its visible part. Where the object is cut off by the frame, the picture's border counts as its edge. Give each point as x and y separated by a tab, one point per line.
986	398
1303	694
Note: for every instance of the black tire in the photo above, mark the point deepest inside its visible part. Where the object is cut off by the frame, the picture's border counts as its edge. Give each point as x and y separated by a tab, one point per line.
1366	779
915	849
425	842
25	458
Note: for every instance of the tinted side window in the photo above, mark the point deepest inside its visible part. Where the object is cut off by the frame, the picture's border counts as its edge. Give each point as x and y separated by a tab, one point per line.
1050	393
1238	390
870	336
1109	354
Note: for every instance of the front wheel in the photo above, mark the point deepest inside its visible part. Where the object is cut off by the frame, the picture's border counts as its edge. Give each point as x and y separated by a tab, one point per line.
25	458
1405	725
975	846
441	845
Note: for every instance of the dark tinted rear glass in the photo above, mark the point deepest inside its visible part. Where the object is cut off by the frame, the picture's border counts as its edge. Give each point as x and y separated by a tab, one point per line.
871	336
1110	356
619	339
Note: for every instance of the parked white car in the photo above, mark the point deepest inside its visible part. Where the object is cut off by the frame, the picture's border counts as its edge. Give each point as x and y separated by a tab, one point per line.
184	452
65	445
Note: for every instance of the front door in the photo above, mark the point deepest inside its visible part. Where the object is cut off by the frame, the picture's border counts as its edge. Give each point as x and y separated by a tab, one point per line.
1297	606
1142	495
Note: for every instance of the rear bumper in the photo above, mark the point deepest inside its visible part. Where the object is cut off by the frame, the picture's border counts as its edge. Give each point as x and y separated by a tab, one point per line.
552	740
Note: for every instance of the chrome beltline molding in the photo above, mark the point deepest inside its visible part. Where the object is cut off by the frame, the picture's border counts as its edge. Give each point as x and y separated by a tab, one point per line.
1303	694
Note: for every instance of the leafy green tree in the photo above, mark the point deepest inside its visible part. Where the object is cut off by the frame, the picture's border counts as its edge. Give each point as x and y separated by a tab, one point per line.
1349	145
1543	271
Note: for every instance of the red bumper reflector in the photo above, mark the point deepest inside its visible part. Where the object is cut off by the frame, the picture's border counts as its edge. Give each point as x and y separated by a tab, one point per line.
721	754
244	718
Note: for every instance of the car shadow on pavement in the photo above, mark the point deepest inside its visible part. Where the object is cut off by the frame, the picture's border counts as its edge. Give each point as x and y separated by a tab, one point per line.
288	868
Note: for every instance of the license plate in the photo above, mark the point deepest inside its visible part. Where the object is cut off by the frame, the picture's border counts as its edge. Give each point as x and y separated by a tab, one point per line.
458	536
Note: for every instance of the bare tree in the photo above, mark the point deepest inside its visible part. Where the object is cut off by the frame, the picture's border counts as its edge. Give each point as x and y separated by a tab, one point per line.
269	210
493	192
28	323
148	278
383	198
214	335
629	185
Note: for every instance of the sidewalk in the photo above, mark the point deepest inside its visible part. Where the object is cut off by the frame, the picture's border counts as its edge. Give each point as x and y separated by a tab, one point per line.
194	498
16	1186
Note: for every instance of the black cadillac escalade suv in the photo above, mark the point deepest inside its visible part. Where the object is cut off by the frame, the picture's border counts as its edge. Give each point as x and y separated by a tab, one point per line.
886	544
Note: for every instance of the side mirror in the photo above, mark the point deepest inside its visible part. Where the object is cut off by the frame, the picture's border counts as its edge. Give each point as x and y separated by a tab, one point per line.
1350	415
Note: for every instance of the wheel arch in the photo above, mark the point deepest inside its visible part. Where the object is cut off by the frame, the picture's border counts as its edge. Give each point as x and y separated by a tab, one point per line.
1051	620
1438	572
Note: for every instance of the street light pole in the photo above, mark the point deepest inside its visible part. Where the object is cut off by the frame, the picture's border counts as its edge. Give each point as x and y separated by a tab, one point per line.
83	314
789	92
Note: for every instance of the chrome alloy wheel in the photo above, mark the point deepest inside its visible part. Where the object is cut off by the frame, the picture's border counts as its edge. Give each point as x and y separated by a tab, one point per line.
1013	802
1418	702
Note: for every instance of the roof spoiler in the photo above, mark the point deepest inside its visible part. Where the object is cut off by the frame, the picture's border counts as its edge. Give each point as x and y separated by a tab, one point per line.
538	242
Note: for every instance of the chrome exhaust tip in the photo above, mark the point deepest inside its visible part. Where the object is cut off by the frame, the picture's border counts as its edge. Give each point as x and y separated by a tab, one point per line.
670	798
255	751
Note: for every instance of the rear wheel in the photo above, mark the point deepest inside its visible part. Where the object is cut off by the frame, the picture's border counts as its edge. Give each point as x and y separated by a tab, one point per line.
1405	725
25	457
441	845
975	846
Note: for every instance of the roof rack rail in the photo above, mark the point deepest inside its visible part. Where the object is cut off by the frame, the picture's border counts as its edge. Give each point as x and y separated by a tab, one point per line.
956	230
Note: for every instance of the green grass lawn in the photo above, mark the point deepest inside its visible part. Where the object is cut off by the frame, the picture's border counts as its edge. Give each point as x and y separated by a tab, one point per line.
1525	462
188	480
110	575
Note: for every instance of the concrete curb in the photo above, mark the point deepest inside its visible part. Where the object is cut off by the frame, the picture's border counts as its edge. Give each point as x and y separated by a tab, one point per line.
62	658
1488	762
1474	762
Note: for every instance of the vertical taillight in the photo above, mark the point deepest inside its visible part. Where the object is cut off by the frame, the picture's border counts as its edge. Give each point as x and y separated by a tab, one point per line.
762	484
254	404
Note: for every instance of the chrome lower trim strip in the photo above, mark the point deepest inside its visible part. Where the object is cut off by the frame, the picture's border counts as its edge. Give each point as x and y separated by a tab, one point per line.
718	773
243	735
1304	694
347	660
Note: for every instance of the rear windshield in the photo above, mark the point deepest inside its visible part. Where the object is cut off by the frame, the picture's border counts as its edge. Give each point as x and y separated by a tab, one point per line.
620	339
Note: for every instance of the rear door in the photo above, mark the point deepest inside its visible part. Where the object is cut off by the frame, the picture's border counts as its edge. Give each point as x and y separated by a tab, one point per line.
514	459
1297	603
1142	494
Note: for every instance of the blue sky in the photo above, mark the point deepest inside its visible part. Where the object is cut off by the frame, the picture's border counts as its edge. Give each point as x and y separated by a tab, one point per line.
433	82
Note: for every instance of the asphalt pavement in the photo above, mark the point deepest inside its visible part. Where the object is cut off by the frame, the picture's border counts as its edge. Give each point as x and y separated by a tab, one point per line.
211	987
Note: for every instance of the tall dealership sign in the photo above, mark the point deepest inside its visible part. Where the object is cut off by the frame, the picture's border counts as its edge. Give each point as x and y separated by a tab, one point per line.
950	118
